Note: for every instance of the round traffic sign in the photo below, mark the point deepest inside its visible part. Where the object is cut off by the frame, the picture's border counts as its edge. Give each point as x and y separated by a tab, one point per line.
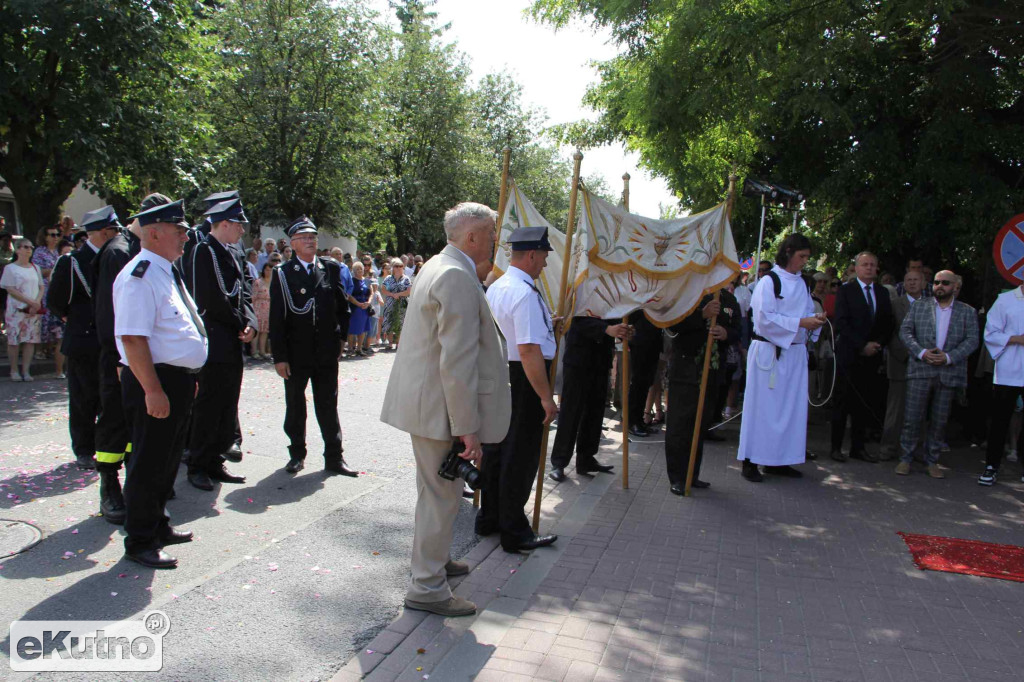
1008	250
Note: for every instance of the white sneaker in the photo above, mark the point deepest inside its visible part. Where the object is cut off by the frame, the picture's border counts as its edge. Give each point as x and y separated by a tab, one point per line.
28	377
1011	456
15	376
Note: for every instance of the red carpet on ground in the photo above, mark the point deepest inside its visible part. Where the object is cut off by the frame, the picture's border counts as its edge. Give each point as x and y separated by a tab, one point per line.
969	557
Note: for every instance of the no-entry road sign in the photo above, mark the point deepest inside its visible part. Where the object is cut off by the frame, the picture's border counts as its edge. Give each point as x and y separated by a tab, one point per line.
1008	250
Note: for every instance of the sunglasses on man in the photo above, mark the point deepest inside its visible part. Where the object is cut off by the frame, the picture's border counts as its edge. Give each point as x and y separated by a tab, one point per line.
943	282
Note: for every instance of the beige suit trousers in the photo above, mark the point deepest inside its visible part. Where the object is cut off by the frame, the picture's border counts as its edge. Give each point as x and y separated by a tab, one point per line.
437	505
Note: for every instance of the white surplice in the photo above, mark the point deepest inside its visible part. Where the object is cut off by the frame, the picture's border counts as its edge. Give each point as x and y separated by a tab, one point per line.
774	424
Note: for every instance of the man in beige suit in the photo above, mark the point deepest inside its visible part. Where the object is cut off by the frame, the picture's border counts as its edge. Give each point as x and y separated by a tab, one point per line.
896	367
450	380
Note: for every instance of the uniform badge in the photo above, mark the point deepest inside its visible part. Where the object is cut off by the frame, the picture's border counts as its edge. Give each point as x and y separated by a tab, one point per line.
296	267
302	291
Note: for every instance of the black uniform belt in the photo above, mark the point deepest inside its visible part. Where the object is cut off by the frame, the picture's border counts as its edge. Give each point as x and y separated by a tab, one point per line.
176	368
778	349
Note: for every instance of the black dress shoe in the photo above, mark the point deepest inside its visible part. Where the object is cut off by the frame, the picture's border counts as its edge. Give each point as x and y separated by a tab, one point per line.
595	468
557	474
85	462
751	472
152	558
200	479
784	470
713	436
295	465
338	466
234	453
222	474
638	431
810	456
677	489
838	455
176	537
697	483
537	541
864	456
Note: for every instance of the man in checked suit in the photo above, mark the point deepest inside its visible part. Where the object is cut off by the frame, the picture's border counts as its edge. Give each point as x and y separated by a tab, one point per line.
896	366
863	324
449	381
939	334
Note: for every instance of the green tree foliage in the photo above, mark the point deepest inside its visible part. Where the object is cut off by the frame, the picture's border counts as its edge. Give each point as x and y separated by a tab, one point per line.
902	121
292	107
93	91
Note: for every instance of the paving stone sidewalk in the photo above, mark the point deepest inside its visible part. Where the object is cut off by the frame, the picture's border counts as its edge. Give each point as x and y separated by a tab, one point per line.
785	580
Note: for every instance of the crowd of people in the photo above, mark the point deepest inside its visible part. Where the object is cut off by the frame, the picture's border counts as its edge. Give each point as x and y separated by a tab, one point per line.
156	318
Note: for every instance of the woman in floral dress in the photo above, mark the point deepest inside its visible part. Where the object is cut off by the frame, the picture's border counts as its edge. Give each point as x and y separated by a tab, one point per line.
261	302
24	286
396	292
45	257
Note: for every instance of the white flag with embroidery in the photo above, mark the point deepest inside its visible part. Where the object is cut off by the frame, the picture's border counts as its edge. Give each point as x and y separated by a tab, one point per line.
520	212
662	266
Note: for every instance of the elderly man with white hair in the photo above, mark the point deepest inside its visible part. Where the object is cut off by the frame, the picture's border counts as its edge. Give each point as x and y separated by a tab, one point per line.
269	247
452	358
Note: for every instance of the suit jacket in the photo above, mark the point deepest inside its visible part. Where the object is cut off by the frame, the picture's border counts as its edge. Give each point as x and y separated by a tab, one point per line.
918	333
212	267
687	357
70	297
306	311
896	364
854	325
588	346
107	264
450	376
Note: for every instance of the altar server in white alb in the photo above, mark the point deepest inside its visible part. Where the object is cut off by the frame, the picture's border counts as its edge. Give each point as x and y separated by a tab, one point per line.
1004	337
774	428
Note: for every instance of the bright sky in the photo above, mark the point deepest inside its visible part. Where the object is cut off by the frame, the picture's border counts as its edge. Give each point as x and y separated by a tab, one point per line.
554	70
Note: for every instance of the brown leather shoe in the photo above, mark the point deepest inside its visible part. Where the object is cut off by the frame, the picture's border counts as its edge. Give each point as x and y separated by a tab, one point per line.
903	468
454	568
449	608
935	471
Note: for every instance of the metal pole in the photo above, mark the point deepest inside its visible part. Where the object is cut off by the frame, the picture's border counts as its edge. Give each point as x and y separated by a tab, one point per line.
760	237
573	195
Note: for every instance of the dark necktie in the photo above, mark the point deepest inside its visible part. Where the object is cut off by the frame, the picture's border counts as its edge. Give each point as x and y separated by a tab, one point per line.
871	301
309	269
196	320
543	308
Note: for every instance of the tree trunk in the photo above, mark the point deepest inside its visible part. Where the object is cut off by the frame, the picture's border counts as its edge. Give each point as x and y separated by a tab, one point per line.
37	207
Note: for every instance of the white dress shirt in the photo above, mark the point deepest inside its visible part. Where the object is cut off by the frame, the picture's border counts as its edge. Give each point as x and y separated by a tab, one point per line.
870	299
942	317
1006	319
521	313
153	305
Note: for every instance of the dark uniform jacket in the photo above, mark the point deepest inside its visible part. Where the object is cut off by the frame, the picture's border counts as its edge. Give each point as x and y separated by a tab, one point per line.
587	345
70	297
107	264
305	311
222	289
687	358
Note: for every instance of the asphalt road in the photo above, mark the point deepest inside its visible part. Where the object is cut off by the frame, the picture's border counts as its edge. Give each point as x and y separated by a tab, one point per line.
288	575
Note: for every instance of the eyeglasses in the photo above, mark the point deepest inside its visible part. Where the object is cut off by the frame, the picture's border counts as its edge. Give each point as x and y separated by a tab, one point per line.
943	282
53	234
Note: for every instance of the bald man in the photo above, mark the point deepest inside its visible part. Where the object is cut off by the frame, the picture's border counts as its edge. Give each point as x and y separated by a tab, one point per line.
939	334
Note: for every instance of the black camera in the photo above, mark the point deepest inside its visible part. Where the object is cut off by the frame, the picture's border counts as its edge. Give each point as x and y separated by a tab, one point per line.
454	467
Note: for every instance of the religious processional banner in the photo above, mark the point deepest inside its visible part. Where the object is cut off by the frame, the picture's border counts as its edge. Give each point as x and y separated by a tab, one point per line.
520	212
628	262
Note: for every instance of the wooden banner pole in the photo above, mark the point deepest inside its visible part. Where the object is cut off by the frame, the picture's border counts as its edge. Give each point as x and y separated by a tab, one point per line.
562	286
708	348
502	199
624	375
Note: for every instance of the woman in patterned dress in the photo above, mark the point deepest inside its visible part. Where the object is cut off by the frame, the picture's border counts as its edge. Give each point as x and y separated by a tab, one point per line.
24	286
396	292
45	257
261	302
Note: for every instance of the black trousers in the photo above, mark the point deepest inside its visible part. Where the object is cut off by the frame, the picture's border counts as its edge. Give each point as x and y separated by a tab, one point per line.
580	415
83	401
215	414
857	386
325	403
643	365
112	431
510	468
156	454
1004	400
680	417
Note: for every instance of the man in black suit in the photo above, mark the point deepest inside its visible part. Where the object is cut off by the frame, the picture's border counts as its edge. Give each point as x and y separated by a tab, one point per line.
586	362
863	325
